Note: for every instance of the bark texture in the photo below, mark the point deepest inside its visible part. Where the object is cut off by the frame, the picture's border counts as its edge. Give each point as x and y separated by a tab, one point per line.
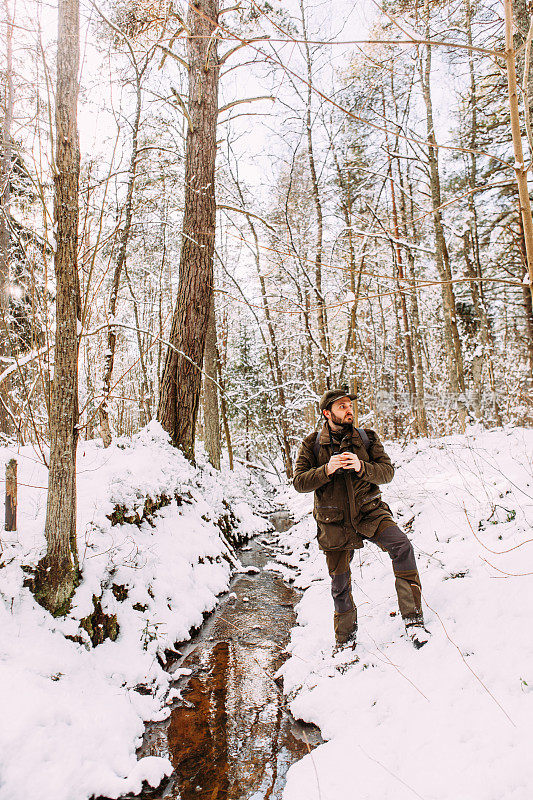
103	410
405	332
272	352
11	495
181	380
211	414
453	348
409	231
57	572
324	378
223	410
520	167
473	264
6	425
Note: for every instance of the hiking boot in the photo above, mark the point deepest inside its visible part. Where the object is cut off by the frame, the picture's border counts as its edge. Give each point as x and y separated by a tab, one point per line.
347	643
345	625
416	632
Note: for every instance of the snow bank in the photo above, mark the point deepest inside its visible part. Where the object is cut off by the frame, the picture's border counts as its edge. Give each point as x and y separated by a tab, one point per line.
452	720
72	714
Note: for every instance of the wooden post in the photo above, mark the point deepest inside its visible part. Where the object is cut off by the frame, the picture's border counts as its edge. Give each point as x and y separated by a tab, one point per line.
11	495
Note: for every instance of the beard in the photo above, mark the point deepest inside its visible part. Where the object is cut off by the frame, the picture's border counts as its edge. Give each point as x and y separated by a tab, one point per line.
346	426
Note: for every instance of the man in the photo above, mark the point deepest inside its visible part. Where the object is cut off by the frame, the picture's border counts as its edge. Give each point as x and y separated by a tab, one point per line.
344	469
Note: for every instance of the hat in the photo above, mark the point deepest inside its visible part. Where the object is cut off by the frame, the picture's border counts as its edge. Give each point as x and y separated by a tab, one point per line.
331	395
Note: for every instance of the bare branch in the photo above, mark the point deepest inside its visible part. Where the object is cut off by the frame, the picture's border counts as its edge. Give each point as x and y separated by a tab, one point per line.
247	214
174	55
183	108
243	43
246	100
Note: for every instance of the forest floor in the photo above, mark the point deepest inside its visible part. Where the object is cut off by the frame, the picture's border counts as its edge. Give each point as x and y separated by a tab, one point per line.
230	734
448	722
76	691
451	721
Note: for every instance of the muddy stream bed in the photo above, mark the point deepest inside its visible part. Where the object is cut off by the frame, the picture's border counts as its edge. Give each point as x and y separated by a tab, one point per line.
229	736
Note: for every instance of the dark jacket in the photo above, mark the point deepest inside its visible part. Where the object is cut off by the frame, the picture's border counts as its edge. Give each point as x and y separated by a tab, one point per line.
346	503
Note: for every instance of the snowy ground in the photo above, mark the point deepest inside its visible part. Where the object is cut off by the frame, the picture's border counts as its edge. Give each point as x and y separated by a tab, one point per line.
452	721
72	716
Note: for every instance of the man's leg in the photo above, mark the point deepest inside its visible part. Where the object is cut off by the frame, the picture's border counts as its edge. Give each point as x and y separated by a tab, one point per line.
408	587
345	615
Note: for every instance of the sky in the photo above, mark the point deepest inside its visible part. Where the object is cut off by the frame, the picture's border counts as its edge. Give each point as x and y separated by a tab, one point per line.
338	21
257	135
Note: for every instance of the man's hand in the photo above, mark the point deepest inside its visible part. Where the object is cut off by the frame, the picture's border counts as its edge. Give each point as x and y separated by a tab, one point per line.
343	461
351	461
335	463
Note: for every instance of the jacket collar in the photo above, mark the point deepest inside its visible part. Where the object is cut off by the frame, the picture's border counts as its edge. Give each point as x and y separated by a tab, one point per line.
324	435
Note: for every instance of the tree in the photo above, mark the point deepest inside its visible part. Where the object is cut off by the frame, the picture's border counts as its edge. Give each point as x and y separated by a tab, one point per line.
181	379
324	353
211	415
5	236
139	67
520	168
454	356
57	572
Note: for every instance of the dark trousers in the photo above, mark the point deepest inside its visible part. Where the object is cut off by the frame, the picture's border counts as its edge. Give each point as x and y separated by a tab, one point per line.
394	541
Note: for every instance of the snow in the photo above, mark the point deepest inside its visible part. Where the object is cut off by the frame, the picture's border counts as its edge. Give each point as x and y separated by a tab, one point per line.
452	720
72	717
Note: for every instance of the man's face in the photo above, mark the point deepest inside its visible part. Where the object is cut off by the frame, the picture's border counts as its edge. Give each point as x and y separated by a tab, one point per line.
340	412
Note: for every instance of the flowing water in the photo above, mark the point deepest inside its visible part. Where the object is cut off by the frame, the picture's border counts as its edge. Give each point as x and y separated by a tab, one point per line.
230	737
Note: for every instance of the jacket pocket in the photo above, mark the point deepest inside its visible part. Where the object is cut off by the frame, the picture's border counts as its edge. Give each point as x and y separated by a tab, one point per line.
370	504
331	533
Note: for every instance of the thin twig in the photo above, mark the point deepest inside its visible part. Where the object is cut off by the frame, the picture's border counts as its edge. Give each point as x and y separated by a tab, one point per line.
476	676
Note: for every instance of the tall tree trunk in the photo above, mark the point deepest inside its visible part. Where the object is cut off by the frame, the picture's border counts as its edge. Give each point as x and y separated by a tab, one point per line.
406	212
421	416
304	301
350	348
274	360
6	425
145	404
103	409
272	352
403	326
405	332
160	292
528	308
324	355
453	348
474	267
211	415
520	167
181	381
224	410
57	572
526	300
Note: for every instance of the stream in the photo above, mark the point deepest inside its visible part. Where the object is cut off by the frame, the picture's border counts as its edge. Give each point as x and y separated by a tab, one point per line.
229	736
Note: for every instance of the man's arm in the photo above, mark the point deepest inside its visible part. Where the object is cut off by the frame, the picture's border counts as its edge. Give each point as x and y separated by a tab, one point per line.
307	476
380	468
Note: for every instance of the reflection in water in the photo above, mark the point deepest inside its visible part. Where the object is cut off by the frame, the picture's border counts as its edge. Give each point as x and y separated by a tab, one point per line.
233	740
197	733
230	737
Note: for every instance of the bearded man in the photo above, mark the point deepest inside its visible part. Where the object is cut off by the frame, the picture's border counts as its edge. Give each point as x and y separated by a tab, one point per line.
344	466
